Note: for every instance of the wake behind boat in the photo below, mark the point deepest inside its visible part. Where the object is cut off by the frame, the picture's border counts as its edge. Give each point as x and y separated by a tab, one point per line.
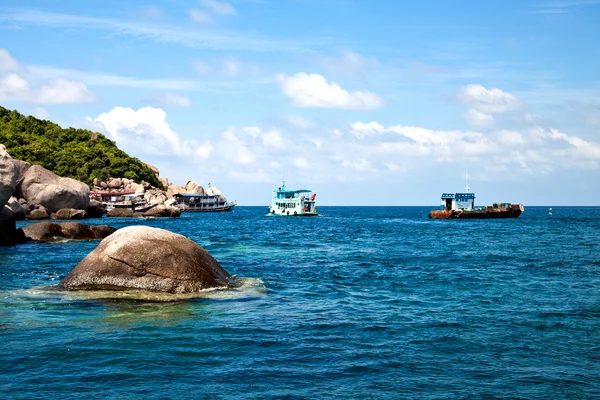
298	203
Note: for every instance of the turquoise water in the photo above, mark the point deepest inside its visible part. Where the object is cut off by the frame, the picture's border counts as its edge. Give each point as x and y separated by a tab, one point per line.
361	302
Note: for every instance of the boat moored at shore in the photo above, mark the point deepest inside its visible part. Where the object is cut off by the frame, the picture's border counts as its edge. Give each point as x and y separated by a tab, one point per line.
297	203
212	200
127	200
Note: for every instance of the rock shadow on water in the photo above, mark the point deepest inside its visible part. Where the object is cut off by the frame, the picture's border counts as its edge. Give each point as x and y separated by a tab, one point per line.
133	307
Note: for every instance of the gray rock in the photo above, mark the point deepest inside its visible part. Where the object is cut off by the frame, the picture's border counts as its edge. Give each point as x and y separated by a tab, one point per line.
162	211
38	213
193	188
53	231
17	209
21	167
44	187
145	258
8	176
96	209
69	213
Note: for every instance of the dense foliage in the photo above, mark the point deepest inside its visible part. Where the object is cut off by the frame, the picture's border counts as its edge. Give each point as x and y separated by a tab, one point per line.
75	153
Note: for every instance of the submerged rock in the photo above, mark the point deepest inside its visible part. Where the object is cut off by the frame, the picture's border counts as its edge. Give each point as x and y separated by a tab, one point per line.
53	231
145	258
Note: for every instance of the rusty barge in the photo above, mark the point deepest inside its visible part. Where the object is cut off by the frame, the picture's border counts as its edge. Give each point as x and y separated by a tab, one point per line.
462	206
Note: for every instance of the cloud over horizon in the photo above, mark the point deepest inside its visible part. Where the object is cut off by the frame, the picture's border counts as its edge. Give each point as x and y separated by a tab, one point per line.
313	90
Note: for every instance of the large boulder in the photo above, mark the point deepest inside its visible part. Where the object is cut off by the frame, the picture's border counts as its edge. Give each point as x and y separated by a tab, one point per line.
96	209
155	196
122	212
45	188
21	168
8	176
9	234
53	231
69	213
163	211
17	209
154	169
193	188
38	213
145	258
173	190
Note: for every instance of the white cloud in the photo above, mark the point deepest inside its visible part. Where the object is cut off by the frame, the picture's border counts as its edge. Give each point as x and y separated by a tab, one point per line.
300	122
510	138
225	68
219	7
491	100
13	87
360	129
580	147
172	99
102	79
198	16
147	131
313	90
62	91
59	91
231	68
478	119
201	68
7	62
301	162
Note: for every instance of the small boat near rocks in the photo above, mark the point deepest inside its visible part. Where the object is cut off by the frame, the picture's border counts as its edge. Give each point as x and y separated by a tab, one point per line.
212	200
125	200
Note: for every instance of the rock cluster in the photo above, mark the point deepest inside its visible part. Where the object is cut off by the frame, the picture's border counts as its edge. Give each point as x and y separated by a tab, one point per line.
9	234
41	194
53	231
145	258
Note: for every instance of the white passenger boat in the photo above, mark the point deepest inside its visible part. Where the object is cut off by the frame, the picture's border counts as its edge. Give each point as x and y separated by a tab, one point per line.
212	200
129	200
298	203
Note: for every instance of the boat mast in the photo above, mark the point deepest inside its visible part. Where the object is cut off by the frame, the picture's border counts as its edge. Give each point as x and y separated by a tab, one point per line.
467	180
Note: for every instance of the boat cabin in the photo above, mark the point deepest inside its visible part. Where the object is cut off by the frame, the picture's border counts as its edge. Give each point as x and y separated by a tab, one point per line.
293	202
199	202
458	201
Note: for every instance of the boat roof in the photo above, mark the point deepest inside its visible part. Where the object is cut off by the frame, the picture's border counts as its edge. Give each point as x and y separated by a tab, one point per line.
113	193
292	191
194	195
458	195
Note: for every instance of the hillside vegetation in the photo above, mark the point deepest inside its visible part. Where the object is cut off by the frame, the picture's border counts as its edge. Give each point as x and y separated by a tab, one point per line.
75	153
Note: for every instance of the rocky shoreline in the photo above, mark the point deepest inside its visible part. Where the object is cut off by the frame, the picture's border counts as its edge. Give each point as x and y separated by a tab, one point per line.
134	257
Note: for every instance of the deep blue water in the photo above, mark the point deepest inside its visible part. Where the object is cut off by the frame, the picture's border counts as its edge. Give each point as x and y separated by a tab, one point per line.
361	302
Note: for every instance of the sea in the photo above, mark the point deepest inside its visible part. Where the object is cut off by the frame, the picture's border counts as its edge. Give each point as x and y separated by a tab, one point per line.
357	303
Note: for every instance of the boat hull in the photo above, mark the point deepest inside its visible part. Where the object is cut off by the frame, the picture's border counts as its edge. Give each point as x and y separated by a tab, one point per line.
216	209
513	211
295	215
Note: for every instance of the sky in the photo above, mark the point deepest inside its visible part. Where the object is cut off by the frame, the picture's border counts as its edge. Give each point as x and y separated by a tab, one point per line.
379	102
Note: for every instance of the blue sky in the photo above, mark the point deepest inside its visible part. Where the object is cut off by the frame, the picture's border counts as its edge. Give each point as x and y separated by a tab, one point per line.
367	102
